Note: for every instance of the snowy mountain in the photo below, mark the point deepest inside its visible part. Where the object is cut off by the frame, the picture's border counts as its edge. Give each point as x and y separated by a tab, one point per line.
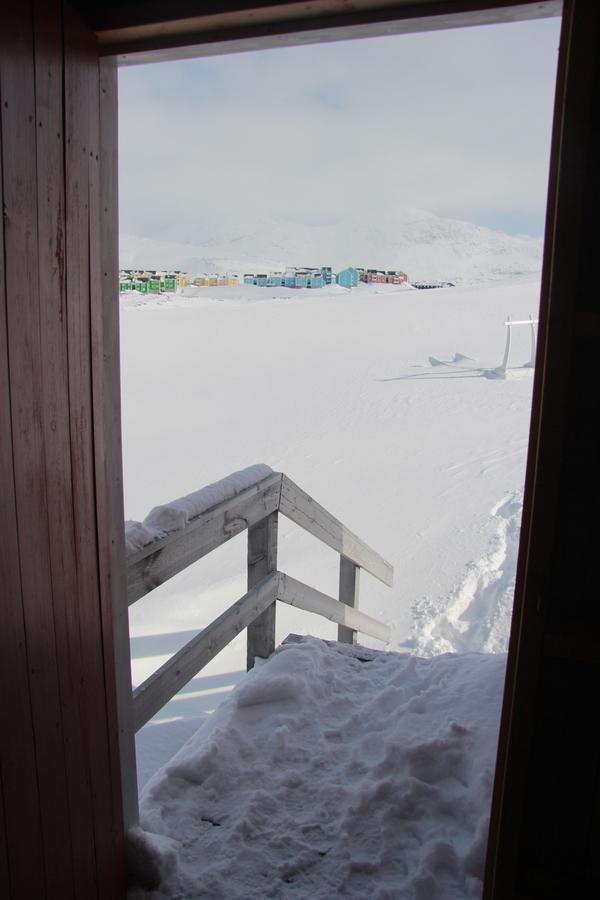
424	245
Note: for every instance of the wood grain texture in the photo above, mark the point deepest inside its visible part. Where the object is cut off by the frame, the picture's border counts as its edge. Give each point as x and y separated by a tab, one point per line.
63	833
81	93
163	684
153	32
298	506
19	163
262	560
107	438
54	354
296	593
348	594
162	559
21	803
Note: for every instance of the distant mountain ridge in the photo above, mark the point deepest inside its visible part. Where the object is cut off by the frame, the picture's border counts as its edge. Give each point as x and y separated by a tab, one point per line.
422	244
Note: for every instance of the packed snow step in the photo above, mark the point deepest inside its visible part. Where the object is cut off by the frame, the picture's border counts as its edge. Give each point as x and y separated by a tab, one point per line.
333	770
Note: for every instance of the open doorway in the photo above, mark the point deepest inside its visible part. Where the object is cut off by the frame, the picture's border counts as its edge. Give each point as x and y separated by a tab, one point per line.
417	399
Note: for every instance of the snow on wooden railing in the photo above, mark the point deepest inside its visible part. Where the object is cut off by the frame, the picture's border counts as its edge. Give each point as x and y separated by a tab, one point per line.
155	556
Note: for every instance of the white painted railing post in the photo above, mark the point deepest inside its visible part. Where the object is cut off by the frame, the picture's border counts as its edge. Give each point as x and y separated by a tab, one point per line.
348	594
262	560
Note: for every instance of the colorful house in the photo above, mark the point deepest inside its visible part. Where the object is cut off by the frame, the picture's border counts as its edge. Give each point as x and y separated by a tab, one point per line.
393	277
291	278
348	278
375	276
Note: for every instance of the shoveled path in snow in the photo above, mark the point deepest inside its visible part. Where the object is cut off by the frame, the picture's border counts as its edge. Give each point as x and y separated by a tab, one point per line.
335	771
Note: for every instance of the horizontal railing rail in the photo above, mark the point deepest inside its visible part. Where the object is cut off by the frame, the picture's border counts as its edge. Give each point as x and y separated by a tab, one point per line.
162	559
174	674
296	593
163	684
298	506
255	509
157	562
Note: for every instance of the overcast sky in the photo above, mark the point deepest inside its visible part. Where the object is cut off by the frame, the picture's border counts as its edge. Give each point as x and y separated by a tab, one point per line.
454	122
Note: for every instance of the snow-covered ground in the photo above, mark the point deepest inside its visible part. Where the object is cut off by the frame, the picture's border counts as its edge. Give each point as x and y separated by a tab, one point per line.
335	773
425	462
334	388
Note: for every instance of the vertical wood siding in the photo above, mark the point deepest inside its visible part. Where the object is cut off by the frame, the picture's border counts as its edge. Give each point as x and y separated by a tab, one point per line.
61	831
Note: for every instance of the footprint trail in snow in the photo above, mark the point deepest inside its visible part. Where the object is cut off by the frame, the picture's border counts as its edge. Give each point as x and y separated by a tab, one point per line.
475	615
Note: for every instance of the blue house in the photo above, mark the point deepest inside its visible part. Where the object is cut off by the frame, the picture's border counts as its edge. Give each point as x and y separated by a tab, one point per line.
347	278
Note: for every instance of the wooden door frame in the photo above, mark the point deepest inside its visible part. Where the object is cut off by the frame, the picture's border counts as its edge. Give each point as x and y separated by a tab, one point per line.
560	324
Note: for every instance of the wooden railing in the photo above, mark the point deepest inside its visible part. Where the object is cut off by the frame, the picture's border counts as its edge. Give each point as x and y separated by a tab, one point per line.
255	509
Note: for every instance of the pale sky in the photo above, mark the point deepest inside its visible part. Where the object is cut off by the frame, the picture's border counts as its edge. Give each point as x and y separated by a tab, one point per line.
454	122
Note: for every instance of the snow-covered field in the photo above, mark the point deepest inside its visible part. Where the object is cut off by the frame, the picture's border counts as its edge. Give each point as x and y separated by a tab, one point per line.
425	462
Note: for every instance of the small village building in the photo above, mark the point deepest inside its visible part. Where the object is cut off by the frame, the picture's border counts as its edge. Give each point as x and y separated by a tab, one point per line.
375	276
431	285
348	278
393	277
291	278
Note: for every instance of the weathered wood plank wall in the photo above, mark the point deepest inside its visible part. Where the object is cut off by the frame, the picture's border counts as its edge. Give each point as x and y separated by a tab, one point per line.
62	829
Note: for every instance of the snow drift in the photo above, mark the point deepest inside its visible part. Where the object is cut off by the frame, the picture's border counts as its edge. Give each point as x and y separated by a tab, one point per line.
169	517
335	771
